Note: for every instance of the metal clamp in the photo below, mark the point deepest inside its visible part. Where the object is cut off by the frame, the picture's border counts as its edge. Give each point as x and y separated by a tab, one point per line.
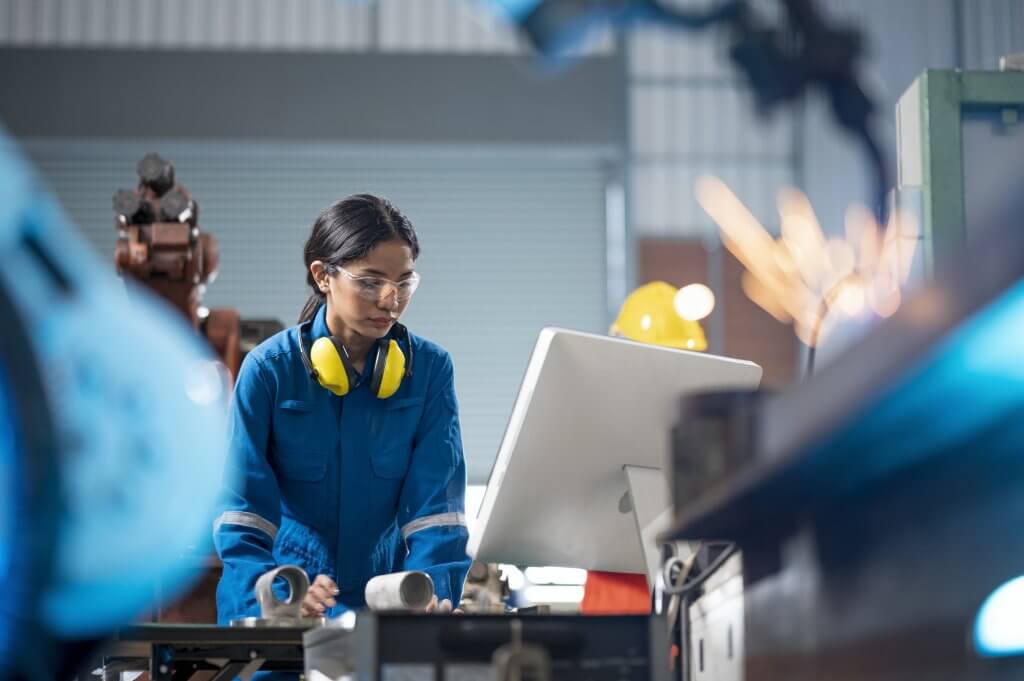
518	661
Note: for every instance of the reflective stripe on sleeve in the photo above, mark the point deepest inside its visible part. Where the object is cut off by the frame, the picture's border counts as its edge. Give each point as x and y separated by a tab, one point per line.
245	519
438	520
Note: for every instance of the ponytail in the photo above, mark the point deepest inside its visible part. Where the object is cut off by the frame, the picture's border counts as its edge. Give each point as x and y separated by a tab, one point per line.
313	304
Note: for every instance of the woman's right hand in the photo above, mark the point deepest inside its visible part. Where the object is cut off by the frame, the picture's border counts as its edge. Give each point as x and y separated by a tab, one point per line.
320	597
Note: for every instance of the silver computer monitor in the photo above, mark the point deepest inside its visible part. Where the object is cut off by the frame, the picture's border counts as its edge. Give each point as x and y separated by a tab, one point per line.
589	408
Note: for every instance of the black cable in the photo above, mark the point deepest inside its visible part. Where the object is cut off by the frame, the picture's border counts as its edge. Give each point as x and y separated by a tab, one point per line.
705	573
685	642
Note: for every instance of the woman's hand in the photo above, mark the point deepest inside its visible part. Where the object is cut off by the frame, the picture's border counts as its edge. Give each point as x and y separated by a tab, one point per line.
320	597
442	608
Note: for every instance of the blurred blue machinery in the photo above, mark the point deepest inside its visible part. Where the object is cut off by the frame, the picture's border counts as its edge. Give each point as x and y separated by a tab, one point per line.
112	437
878	504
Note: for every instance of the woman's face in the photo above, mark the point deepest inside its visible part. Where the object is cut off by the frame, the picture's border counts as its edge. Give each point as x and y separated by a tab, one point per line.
353	297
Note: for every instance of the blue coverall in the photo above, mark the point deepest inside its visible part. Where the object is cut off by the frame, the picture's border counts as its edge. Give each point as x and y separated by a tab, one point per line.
349	487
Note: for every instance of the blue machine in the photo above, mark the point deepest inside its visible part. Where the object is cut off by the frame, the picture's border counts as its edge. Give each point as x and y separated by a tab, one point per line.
112	434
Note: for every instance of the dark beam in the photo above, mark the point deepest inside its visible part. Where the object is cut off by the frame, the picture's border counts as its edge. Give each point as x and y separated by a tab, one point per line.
316	96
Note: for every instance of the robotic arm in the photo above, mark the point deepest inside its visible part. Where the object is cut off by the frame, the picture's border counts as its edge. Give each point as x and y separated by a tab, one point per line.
779	62
160	245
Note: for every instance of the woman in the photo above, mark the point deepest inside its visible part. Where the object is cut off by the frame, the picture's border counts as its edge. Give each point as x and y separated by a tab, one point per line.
345	431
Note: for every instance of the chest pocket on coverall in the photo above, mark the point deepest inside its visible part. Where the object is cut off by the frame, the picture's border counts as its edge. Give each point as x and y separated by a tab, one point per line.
394	441
301	449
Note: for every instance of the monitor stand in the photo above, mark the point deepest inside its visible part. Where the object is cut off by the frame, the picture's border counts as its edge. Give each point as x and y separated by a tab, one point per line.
652	510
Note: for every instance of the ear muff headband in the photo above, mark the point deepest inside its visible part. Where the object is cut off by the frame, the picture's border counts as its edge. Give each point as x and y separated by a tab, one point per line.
328	364
303	329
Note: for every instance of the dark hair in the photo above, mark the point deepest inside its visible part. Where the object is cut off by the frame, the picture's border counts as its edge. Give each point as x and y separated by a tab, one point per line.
348	230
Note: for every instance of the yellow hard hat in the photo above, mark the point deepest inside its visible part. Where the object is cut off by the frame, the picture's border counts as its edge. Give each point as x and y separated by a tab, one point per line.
649	316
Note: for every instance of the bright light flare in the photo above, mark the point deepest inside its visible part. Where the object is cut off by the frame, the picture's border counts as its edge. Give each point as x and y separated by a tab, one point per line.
803	278
694	302
851	298
999	626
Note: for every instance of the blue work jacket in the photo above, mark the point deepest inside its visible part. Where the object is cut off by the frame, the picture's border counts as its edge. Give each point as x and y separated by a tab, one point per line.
350	487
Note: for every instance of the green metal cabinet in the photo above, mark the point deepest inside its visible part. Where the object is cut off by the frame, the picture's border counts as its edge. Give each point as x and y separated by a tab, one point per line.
930	120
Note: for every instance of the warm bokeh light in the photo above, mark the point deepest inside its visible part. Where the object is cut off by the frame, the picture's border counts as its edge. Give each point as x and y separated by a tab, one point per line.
694	302
802	278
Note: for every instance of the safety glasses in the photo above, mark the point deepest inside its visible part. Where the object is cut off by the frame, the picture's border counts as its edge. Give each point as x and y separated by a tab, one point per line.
376	289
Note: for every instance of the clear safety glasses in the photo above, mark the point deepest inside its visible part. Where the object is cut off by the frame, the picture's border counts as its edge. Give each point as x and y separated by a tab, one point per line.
376	289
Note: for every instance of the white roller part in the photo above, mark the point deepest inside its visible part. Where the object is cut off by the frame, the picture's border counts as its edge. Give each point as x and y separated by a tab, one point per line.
400	591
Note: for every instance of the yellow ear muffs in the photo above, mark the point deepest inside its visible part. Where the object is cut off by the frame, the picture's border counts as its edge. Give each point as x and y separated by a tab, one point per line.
331	365
388	370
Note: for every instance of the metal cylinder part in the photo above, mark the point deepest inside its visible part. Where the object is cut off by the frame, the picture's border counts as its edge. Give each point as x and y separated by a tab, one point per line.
133	207
155	173
275	612
177	206
271	607
400	591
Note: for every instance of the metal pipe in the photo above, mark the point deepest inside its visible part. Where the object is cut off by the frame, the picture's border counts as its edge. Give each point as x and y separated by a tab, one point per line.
400	591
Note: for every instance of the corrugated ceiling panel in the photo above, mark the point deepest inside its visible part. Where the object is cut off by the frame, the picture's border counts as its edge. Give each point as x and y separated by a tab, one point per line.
991	29
188	24
444	26
513	240
670	53
684	125
664	202
461	26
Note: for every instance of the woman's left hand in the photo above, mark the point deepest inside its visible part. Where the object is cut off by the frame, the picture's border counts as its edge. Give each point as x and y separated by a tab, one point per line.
442	608
320	597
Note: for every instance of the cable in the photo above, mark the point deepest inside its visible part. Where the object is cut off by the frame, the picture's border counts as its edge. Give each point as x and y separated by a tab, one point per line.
812	342
677	585
676	601
824	307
